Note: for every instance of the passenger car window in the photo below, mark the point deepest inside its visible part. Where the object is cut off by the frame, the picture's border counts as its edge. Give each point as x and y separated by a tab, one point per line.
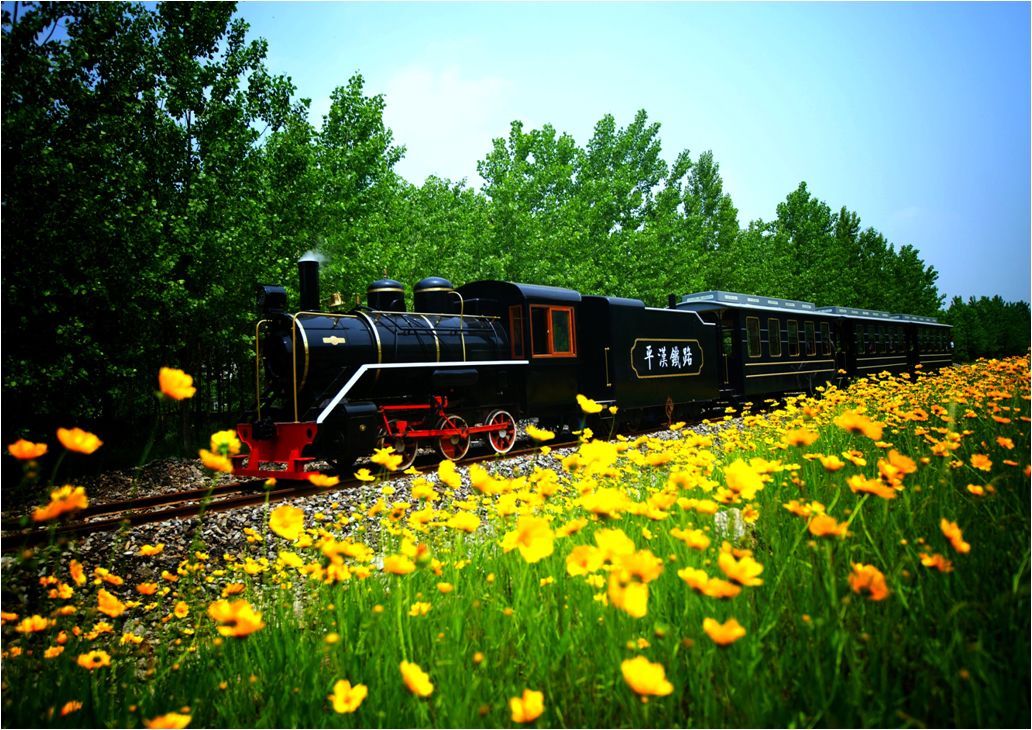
811	343
562	336
774	336
793	337
752	330
826	337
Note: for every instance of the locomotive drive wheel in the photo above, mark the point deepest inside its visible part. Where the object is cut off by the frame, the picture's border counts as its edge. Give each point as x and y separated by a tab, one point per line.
405	448
501	441
453	447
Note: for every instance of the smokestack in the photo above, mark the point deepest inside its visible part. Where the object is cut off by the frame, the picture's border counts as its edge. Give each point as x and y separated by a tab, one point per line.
308	272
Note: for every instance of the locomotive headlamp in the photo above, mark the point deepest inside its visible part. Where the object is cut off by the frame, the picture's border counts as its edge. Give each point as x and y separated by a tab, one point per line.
271	298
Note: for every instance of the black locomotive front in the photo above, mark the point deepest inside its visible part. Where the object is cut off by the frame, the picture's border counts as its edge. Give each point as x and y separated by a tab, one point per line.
339	384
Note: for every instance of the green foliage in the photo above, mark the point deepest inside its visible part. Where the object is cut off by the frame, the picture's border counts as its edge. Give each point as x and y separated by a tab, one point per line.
987	327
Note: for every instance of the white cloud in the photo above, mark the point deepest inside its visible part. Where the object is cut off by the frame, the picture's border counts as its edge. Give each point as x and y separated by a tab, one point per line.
446	120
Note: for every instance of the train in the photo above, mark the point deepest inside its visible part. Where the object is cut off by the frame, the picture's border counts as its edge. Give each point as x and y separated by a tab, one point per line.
471	362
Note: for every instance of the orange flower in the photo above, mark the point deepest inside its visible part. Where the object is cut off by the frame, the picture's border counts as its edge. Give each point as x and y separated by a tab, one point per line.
712	587
645	678
287	522
867	578
237	619
417	681
26	450
176	384
94	660
981	461
832	463
77	573
860	483
823	525
216	462
859	424
346	698
954	535
936	561
171	720
527	708
109	604
65	499
322	480
723	633
75	439
147	589
69	707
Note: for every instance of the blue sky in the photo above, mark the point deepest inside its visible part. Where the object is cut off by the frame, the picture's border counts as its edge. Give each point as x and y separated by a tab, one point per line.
916	116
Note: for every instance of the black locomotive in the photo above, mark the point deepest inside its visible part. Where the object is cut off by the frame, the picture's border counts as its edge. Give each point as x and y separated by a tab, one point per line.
470	362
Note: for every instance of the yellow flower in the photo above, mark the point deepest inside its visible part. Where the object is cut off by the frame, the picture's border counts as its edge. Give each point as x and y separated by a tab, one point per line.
386	457
147	550
53	652
447	474
237	618
94	660
800	437
109	604
33	624
527	708
712	587
743	571
742	479
628	582
695	539
75	439
645	678
287	522
870	580
76	571
322	480
26	450
363	475
540	434
445	587
398	565
346	698
181	610
723	633
860	483
532	536
225	443
171	720
176	384
584	559
465	521
216	462
955	536
832	463
587	405
419	608
417	681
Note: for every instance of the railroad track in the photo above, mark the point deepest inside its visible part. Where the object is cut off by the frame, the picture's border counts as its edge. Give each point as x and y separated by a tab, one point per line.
191	503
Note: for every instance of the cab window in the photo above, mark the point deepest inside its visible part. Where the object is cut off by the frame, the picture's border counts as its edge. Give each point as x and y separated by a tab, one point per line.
552	331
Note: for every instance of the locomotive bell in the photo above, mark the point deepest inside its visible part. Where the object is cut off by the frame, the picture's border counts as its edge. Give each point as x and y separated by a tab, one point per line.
435	295
386	295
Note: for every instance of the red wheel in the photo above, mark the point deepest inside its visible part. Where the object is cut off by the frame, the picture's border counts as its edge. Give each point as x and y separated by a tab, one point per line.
453	447
406	448
502	440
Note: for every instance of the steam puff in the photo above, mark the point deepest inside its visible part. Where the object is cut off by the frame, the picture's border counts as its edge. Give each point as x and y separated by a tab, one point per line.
312	255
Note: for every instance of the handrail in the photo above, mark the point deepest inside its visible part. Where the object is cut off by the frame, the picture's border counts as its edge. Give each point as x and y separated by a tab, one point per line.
258	366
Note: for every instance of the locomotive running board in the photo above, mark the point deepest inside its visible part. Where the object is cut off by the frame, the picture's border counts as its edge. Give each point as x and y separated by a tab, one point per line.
362	370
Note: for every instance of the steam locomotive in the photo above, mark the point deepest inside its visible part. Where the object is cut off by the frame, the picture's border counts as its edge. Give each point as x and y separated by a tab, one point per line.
469	362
